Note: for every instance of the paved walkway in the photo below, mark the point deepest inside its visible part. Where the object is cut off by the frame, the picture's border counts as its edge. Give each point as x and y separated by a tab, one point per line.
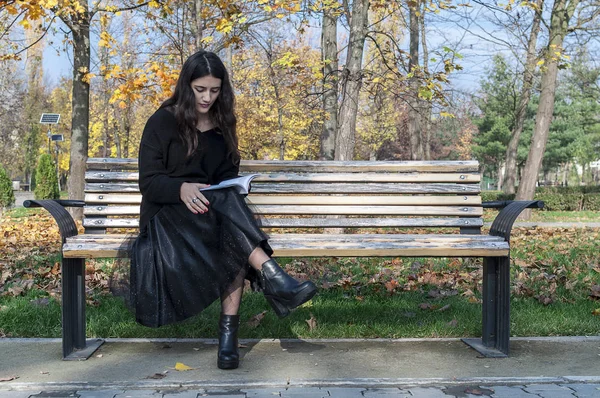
537	367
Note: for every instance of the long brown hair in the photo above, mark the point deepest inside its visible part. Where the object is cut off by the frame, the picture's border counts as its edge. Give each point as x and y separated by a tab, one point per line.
183	102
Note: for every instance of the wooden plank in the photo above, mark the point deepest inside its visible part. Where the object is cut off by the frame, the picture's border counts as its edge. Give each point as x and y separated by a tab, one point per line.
460	178
280	188
125	198
342	222
315	166
103	187
91	222
370	188
93	198
101	210
329	247
341	239
368	210
260	166
459	200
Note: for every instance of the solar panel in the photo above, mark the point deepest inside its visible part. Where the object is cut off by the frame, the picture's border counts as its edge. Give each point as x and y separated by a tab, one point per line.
49	118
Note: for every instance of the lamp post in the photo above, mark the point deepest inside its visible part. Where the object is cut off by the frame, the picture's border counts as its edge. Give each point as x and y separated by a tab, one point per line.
50	119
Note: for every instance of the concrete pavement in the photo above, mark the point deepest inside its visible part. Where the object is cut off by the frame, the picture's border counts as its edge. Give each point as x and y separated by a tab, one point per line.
537	367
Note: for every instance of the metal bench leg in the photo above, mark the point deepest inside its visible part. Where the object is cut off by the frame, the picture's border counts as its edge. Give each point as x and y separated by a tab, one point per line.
494	342
75	346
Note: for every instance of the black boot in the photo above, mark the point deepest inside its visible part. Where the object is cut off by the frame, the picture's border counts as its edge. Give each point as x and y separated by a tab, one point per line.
229	355
283	292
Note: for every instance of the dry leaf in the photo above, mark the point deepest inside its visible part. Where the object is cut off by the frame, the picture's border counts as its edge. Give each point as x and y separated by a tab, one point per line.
8	378
157	375
44	372
256	319
182	367
444	308
99	356
595	291
425	306
312	323
453	323
596	312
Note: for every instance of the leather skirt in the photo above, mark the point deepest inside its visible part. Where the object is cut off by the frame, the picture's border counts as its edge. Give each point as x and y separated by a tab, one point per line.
182	262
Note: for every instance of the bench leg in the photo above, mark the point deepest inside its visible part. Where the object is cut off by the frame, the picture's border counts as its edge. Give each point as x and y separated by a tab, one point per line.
494	342
75	346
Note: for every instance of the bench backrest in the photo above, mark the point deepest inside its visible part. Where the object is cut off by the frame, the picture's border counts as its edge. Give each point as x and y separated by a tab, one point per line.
315	194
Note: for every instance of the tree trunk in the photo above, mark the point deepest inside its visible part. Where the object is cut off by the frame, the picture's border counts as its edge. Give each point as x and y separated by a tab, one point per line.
351	81
414	125
198	24
528	74
330	85
562	11
427	105
81	107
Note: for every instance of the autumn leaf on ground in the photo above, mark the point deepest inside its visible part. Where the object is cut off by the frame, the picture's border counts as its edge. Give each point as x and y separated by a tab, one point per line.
596	312
256	319
391	285
8	378
158	375
444	308
453	323
182	367
425	306
595	291
312	323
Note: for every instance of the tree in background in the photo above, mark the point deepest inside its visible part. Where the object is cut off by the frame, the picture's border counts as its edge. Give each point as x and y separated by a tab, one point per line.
46	179
7	196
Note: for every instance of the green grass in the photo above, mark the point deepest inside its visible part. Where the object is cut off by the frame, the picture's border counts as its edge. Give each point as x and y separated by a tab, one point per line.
338	315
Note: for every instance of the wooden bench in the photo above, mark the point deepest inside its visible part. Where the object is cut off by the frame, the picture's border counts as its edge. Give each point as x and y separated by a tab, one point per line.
358	197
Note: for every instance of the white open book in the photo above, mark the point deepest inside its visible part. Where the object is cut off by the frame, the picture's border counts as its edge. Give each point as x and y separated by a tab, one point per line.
241	184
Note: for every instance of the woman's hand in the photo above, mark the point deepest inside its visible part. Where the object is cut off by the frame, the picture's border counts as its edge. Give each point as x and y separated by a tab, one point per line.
193	198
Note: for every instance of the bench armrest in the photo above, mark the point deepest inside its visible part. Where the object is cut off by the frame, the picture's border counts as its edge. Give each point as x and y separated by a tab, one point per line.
56	208
511	209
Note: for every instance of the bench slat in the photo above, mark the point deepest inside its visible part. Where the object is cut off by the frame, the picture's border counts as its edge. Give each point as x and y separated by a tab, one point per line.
325	245
316	166
322	210
460	178
91	222
94	198
380	188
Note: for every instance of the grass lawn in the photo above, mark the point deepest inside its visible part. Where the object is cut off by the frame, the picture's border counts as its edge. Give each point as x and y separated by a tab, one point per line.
555	291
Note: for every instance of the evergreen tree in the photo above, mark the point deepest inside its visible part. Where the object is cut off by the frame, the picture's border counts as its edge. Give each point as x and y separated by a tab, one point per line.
7	197
46	179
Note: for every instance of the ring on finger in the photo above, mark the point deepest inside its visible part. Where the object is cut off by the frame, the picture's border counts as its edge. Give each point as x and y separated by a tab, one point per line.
194	200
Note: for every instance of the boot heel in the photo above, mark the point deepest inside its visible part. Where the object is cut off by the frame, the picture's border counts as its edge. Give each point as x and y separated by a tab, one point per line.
280	309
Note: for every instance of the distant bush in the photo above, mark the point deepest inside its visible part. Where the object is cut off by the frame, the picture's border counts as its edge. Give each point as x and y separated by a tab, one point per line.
557	198
7	196
46	179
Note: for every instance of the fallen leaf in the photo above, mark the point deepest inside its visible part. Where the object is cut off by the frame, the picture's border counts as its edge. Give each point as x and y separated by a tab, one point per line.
425	306
444	308
44	372
453	323
595	291
312	323
240	345
8	378
256	319
596	312
41	302
99	356
182	367
157	376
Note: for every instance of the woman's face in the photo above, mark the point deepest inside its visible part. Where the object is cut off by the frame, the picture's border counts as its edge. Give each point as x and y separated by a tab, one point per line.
206	90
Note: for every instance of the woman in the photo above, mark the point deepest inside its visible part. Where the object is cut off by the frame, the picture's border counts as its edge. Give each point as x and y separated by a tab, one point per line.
195	247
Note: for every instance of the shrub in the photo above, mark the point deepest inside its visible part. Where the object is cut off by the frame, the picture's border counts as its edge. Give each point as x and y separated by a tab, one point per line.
561	201
591	202
46	179
7	196
492	196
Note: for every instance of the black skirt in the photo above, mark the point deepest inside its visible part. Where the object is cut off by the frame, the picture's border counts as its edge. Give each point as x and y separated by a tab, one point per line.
182	262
